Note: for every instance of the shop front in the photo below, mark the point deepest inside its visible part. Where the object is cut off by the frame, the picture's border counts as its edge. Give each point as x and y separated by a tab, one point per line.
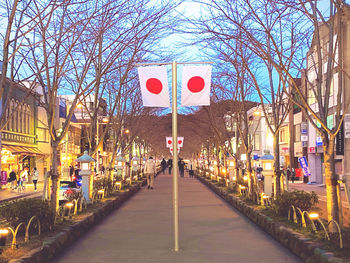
18	158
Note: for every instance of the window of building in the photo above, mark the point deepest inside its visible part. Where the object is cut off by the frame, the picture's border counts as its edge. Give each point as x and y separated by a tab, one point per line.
42	134
284	135
257	142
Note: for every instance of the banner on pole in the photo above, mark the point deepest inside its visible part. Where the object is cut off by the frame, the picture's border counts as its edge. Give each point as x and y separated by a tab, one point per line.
169	142
196	85
154	86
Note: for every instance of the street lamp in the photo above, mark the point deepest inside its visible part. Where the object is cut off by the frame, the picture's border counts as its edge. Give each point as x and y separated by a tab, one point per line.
3	236
85	172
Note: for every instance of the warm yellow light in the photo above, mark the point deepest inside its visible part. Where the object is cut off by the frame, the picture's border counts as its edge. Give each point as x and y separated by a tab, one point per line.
223	170
265	197
257	113
215	162
69	205
211	168
242	186
118	183
79	105
119	163
245	178
126	131
135	162
234	178
231	163
100	191
4	231
105	119
313	216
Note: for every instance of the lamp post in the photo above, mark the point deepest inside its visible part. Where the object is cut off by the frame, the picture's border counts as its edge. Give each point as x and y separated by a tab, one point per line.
87	181
3	237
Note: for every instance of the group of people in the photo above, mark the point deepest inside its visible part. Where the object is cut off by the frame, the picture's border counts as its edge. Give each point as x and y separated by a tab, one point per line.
17	181
150	169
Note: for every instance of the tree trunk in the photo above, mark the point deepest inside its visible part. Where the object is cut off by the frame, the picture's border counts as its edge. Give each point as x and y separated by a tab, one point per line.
277	172
331	182
55	176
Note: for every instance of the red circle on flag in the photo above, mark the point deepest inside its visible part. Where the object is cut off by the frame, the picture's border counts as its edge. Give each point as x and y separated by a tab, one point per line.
154	85
179	141
196	84
169	142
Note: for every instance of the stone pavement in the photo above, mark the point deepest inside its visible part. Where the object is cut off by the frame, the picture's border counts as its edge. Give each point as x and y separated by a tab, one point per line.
142	231
8	194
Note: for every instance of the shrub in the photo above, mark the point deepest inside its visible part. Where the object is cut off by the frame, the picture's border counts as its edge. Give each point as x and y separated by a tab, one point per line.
233	187
305	201
21	210
71	194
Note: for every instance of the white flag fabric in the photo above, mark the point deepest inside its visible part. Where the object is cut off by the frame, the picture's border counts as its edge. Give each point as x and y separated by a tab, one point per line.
169	142
154	86
196	85
180	141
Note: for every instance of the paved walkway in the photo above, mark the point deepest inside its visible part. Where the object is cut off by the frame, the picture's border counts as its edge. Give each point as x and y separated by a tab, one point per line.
7	194
210	231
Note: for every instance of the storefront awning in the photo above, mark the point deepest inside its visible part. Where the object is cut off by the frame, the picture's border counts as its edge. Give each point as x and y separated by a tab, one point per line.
22	149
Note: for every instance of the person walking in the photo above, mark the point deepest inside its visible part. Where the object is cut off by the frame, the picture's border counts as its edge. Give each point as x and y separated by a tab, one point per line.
170	165
13	179
190	171
150	170
35	178
293	175
163	164
181	167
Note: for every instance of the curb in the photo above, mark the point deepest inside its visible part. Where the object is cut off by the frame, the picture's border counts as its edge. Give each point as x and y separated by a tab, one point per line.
52	246
303	247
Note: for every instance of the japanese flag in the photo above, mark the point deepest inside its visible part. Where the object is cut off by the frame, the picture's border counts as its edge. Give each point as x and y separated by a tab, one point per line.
195	85
169	142
180	141
154	86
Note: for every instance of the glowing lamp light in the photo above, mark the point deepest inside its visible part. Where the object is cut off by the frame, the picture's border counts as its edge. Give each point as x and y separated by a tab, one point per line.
313	216
3	236
135	162
85	166
234	178
232	164
119	163
211	168
69	205
4	231
245	178
100	191
215	162
223	170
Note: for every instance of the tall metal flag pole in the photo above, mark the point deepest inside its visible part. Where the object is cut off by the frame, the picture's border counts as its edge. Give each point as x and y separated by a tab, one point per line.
175	144
175	161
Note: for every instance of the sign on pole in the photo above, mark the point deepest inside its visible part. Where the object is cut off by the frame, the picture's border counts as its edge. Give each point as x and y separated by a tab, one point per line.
347	126
304	165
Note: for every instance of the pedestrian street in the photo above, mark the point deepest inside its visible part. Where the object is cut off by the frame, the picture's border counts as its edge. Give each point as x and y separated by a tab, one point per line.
209	231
